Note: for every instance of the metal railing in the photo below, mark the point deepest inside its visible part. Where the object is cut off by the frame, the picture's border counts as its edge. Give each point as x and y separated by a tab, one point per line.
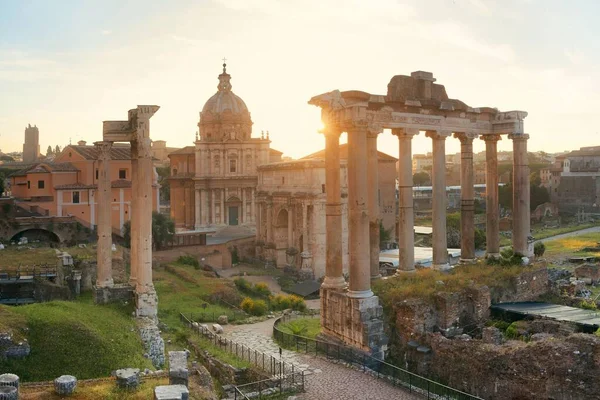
377	368
285	377
28	272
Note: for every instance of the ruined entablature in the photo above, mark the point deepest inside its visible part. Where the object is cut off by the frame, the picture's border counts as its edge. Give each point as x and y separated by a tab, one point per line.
414	102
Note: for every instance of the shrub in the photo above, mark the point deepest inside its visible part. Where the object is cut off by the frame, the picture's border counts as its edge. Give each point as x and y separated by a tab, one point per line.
280	302
588	305
298	303
247	304
511	332
539	249
189	260
242	285
259	308
262	289
234	255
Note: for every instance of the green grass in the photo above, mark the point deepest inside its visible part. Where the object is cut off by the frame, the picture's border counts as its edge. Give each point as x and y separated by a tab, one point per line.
11	258
183	289
307	327
543	233
571	246
76	338
423	284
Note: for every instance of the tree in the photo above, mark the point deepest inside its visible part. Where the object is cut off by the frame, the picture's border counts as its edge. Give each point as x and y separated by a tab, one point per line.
5	157
421	179
1	184
57	150
538	195
49	151
163	229
163	181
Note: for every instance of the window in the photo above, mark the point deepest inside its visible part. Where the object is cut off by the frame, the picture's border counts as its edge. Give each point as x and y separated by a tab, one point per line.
40	184
323	188
75	197
232	166
96	174
122	174
28	185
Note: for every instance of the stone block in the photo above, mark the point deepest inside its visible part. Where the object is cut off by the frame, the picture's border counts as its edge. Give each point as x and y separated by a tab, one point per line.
223	320
128	378
9	393
105	295
178	368
217	328
171	392
65	385
9	380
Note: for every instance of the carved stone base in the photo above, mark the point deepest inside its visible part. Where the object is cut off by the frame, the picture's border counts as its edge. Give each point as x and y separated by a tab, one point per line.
357	322
104	295
146	302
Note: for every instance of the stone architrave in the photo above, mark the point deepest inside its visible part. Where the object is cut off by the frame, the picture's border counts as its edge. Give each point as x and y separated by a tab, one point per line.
334	278
521	193
406	239
104	252
358	215
440	241
467	197
373	198
492	229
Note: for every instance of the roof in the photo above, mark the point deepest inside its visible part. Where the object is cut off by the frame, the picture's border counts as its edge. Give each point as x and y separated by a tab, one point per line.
344	154
273	151
45	167
185	150
552	311
117	152
584	151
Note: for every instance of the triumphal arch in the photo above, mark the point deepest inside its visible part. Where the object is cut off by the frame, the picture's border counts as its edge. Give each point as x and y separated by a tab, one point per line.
349	310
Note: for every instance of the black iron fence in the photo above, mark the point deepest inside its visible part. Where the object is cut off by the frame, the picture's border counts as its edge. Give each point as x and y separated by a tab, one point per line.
28	272
284	377
377	368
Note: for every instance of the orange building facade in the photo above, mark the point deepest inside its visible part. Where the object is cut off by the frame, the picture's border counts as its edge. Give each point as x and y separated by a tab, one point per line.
67	186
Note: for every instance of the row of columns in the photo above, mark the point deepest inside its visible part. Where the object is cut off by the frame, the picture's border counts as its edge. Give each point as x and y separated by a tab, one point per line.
363	209
205	206
206	161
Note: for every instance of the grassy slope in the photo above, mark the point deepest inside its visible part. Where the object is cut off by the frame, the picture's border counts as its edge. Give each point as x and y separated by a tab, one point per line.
570	246
77	338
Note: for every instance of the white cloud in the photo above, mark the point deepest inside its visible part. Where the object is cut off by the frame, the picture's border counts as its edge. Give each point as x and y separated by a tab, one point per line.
106	32
575	57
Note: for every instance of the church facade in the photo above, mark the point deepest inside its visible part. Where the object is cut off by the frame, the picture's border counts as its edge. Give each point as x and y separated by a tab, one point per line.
213	183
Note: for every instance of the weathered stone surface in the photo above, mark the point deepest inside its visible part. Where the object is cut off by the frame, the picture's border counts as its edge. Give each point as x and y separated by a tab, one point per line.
128	378
153	343
217	328
223	320
65	385
104	295
178	369
492	335
9	393
9	380
590	272
171	392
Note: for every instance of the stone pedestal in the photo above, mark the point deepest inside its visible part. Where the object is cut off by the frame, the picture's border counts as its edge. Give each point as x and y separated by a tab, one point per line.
128	378
105	295
9	393
9	380
178	369
146	302
306	272
357	322
171	392
65	385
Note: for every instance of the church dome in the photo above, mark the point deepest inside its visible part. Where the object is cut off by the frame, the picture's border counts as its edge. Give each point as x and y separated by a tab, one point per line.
225	115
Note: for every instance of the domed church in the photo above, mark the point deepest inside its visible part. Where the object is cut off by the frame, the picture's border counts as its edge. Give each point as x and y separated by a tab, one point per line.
213	183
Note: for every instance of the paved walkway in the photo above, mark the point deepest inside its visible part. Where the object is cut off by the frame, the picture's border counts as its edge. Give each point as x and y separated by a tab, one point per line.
324	379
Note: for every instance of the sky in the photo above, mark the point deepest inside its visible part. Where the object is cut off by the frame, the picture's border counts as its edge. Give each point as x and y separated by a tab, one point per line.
66	66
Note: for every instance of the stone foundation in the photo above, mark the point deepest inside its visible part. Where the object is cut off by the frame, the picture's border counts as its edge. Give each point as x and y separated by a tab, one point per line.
146	303
153	343
356	322
105	295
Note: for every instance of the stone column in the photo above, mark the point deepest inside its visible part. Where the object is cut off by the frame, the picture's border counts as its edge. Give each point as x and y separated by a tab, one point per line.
492	228
198	162
135	217
305	228
243	221
358	226
212	207
205	207
521	211
334	278
269	210
373	202
104	250
440	242
198	211
223	206
406	239
467	197
253	205
290	221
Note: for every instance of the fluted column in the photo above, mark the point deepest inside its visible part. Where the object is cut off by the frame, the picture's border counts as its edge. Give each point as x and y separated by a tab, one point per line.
104	249
440	242
359	243
467	197
334	278
492	227
197	209
521	211
373	202
406	241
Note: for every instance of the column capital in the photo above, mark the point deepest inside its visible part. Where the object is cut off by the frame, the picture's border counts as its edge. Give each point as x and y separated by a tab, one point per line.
354	125
518	136
492	137
104	148
374	129
405	132
438	135
331	130
465	137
